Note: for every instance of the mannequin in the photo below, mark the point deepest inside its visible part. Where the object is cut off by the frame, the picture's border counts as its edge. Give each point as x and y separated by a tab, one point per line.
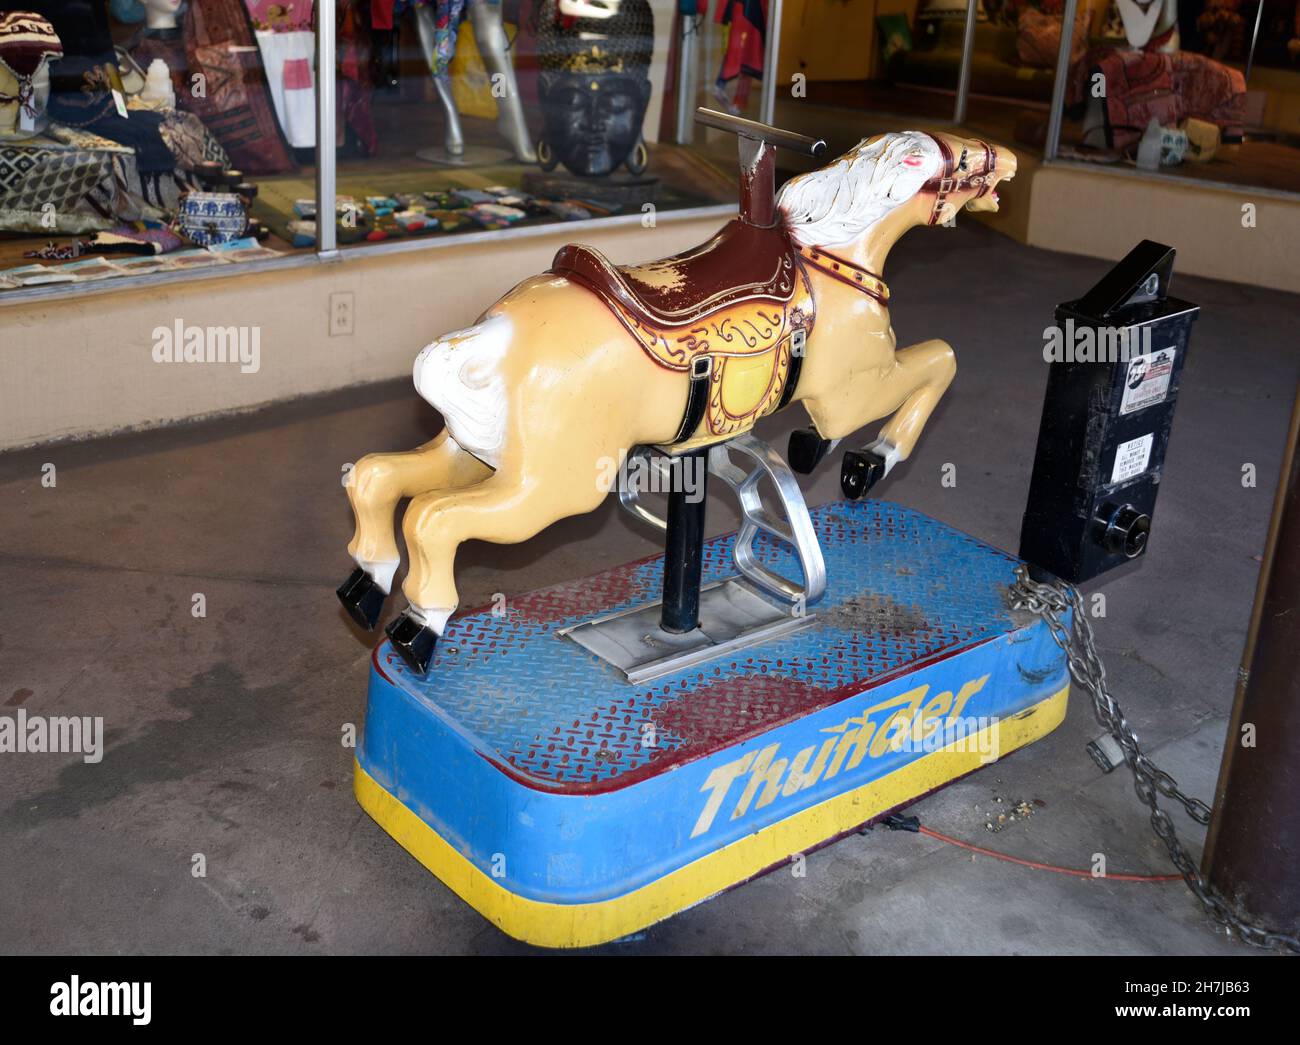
1150	24
160	14
490	35
155	14
28	43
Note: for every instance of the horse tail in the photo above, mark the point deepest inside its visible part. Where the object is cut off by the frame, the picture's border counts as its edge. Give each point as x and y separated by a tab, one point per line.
461	376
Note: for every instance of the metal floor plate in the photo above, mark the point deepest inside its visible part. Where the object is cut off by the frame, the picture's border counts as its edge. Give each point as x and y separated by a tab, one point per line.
732	616
903	590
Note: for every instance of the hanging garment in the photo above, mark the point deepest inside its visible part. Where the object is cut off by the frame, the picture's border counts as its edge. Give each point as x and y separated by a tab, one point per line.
287	58
446	23
381	14
287	42
1150	84
356	83
237	105
745	40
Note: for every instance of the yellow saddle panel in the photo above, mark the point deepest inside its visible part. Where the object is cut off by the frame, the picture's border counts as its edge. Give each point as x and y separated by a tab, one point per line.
748	347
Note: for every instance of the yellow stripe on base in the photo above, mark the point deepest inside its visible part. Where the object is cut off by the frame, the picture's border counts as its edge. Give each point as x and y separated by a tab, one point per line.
586	924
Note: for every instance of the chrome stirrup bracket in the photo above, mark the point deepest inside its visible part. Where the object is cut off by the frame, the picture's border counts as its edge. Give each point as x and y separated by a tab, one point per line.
796	529
629	497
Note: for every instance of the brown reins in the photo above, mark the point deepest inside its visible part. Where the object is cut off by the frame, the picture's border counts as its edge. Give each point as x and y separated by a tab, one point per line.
950	179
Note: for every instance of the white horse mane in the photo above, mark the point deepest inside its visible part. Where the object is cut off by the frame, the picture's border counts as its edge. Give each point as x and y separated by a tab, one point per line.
838	203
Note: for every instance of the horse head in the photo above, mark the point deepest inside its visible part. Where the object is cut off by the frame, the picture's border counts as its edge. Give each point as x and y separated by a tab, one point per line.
890	183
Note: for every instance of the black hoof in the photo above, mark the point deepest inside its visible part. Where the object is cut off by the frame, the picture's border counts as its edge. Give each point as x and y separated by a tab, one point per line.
861	470
413	641
362	598
807	449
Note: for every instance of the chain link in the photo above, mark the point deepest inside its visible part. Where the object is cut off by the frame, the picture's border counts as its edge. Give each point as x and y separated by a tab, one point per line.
1052	602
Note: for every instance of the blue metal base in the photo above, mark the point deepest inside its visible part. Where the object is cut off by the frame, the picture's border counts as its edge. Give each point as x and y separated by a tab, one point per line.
549	792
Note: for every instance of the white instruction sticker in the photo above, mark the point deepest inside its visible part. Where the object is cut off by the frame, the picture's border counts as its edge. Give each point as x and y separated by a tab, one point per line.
1147	380
1131	458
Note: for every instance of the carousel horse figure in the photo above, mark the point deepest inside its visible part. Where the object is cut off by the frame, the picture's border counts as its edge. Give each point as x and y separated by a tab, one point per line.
577	366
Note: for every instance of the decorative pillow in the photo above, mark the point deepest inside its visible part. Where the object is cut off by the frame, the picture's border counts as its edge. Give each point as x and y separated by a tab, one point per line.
1038	38
895	35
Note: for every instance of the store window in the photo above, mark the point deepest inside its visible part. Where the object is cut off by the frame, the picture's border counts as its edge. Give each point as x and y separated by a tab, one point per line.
910	68
905	60
1205	89
136	135
471	115
154	136
1013	66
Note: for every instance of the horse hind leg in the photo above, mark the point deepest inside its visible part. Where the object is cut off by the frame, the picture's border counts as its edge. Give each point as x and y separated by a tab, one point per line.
374	486
504	509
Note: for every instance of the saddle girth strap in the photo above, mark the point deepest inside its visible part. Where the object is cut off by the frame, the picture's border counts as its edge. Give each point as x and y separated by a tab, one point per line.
697	397
846	271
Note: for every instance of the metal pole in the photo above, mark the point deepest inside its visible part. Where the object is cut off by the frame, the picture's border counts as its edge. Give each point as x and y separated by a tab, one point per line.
1254	39
1254	831
684	549
1054	118
326	105
771	49
963	77
686	80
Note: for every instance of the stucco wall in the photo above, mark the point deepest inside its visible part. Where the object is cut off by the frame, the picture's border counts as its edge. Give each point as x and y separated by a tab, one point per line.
84	365
1104	215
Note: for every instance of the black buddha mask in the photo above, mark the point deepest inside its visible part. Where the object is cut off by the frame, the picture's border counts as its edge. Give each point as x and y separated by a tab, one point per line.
594	86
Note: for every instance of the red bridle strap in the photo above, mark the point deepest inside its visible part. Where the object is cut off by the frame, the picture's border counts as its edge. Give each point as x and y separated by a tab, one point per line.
951	178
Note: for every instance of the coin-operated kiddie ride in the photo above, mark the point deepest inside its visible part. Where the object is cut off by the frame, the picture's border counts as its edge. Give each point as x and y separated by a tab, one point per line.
597	756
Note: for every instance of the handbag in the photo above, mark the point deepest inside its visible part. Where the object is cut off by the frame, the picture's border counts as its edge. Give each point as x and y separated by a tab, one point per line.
211	218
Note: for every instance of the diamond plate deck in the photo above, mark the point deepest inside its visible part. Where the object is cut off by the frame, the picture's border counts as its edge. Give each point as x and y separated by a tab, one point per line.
559	719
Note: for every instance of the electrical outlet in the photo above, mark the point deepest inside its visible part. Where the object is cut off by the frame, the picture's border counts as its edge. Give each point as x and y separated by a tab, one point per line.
341	308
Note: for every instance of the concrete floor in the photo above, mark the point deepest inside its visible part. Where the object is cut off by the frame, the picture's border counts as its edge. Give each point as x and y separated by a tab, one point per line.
223	733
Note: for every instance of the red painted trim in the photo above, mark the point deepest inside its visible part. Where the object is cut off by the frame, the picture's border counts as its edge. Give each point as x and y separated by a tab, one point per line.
374	659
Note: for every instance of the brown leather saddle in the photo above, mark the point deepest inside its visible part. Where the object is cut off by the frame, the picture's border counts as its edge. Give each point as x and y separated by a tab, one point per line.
733	313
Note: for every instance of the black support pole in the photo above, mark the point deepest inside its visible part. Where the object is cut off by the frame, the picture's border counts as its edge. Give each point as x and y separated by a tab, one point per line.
684	552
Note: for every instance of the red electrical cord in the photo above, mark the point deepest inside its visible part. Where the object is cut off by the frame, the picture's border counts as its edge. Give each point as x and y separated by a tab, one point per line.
1150	878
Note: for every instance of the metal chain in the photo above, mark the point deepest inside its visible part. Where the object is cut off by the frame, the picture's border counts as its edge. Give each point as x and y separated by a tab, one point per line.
1051	602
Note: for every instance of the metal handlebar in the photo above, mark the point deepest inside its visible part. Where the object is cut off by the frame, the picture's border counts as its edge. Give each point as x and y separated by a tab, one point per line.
760	131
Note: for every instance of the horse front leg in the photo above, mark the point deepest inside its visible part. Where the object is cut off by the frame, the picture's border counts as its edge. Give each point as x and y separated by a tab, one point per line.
909	391
374	486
